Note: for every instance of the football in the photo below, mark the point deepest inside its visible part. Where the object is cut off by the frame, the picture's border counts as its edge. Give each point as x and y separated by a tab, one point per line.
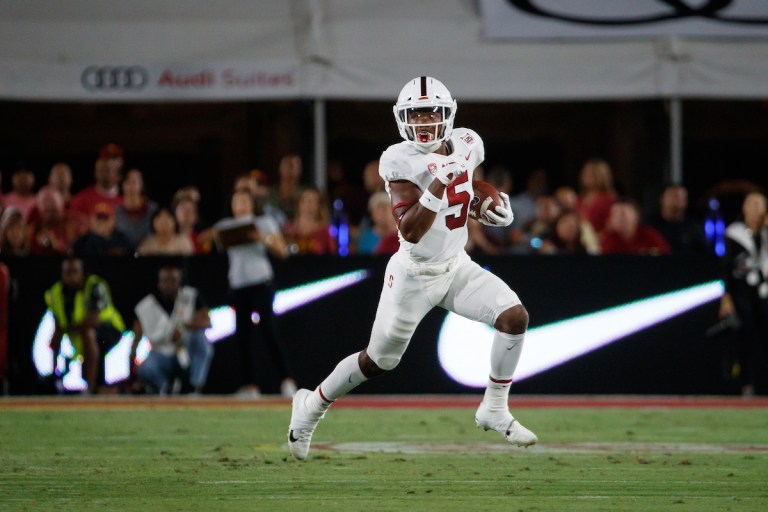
485	197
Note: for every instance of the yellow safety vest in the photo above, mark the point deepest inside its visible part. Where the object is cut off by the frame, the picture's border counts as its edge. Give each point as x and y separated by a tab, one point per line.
54	299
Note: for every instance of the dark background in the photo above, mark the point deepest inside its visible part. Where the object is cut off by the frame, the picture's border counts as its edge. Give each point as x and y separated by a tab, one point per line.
674	357
208	144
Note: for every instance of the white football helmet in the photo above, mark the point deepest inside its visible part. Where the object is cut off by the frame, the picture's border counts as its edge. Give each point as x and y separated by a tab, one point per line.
427	95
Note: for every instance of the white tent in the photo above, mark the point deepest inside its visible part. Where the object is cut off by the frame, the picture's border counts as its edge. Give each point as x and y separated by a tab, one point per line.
355	49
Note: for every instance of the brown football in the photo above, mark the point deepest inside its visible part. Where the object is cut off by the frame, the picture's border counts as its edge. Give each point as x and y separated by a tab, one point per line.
485	197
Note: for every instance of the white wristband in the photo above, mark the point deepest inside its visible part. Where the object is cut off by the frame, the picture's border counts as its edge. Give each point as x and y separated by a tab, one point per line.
430	202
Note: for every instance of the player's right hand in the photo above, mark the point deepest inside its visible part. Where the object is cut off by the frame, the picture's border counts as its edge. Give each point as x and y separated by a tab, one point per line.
448	172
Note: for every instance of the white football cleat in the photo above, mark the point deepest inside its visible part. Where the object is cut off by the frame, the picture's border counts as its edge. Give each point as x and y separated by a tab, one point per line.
503	423
303	424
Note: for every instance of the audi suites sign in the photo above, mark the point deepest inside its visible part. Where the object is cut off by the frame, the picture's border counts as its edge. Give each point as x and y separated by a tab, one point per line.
135	80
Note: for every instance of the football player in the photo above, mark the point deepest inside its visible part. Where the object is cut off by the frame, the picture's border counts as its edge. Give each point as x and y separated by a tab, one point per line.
429	180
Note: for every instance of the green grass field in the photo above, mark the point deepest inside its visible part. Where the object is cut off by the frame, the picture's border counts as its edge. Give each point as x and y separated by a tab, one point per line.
163	457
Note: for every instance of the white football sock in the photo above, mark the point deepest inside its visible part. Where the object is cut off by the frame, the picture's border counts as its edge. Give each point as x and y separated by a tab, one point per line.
505	354
343	379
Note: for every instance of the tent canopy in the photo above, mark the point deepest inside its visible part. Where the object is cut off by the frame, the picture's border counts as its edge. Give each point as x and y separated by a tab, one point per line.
149	50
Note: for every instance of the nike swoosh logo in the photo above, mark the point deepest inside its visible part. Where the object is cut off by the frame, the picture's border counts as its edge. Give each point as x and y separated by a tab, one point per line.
350	379
291	438
551	345
468	155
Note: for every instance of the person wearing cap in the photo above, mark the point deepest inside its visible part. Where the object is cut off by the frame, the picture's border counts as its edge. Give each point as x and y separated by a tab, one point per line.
106	188
102	239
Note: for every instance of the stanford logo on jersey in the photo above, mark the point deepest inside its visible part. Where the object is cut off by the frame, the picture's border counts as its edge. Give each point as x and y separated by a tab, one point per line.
432	167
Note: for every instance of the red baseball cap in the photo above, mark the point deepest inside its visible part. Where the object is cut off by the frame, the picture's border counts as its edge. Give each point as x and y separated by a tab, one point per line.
111	150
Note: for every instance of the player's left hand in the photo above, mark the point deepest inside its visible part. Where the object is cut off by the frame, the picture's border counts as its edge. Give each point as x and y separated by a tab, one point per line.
502	216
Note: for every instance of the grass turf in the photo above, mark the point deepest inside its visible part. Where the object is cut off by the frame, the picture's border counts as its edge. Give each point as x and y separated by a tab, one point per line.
199	458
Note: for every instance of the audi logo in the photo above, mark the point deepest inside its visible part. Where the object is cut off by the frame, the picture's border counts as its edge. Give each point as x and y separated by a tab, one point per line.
114	78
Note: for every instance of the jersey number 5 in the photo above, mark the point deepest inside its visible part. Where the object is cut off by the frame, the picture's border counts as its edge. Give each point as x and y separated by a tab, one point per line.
458	195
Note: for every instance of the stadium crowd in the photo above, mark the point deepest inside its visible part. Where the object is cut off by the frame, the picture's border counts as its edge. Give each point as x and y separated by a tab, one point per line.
116	216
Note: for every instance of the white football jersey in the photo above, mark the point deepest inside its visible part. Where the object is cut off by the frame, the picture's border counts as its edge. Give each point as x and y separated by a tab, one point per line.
448	234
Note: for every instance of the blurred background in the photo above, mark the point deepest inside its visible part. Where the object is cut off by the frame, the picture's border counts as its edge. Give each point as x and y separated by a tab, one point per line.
198	93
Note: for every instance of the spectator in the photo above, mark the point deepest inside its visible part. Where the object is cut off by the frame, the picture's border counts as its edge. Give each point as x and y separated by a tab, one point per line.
285	195
256	183
746	291
60	179
372	181
189	191
14	235
381	237
565	236
354	198
308	230
56	230
133	217
625	235
596	193
102	239
106	188
187	219
685	236
22	194
83	310
174	319
524	204
164	238
568	199
541	225
250	282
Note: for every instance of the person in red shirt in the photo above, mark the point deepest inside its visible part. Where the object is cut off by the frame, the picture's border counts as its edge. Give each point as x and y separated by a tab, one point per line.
22	196
625	235
307	232
596	192
56	230
106	188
